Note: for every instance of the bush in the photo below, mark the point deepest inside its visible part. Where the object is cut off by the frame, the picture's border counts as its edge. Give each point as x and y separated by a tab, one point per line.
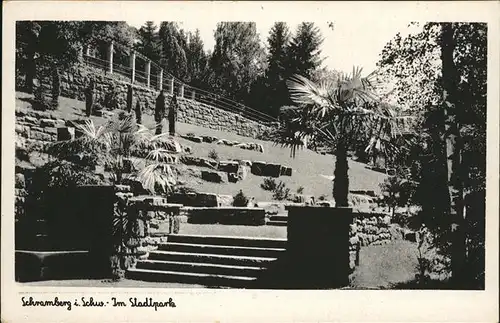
56	88
240	199
322	197
281	192
138	112
213	154
300	190
269	184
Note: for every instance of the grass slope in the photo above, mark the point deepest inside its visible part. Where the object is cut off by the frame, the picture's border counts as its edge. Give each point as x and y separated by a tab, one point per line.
308	166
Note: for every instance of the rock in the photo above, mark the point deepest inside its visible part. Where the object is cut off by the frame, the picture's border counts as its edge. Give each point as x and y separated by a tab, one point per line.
286	171
354	240
243	146
123	188
213	176
242	172
258	168
301	198
229	166
50	130
245	163
232	177
410	236
38	135
272	170
193	138
47	123
31	120
197	161
20	181
188	149
260	148
224	200
209	139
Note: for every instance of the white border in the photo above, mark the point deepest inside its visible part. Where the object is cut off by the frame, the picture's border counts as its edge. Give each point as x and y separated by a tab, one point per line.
237	305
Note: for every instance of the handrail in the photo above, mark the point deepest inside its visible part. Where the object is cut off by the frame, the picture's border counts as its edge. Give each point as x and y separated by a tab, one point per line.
203	96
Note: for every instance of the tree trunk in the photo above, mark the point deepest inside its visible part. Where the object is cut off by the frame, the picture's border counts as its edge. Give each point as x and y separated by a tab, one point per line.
341	180
453	152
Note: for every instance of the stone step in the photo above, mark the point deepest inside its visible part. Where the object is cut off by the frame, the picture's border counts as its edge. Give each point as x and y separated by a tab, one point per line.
222	250
209	258
189	278
278	223
203	268
228	241
278	217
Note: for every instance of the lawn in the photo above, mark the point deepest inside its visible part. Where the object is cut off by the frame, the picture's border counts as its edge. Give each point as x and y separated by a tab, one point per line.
387	265
308	166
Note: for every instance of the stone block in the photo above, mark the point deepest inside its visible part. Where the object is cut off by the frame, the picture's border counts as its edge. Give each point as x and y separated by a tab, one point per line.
232	177
271	170
243	146
410	236
209	139
213	176
193	138
229	166
47	123
51	130
65	133
258	168
260	148
39	135
31	120
245	163
286	171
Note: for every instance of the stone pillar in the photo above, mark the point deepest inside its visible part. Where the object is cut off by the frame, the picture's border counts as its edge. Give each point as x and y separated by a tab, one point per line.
171	89
181	91
87	50
160	79
317	247
148	73
193	94
132	66
110	57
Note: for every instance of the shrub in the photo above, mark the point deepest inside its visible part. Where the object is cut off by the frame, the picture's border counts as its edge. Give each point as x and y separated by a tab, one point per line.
269	184
130	97
138	112
281	192
240	199
300	190
40	102
322	197
213	154
56	88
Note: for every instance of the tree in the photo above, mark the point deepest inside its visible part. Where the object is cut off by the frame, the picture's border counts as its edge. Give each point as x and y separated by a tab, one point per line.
277	72
339	112
304	50
173	55
439	72
237	60
149	41
197	60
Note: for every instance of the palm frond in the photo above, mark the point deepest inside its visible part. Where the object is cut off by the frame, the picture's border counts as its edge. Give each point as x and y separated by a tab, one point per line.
155	175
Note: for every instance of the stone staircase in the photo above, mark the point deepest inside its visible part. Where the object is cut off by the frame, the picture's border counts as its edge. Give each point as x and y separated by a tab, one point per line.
209	260
278	220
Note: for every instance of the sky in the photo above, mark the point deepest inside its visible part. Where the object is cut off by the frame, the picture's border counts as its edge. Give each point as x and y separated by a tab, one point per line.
348	44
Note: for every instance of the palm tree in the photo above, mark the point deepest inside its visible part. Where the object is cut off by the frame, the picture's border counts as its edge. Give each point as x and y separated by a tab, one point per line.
111	144
339	112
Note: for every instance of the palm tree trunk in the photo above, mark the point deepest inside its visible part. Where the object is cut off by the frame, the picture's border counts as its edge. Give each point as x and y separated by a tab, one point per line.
453	152
341	180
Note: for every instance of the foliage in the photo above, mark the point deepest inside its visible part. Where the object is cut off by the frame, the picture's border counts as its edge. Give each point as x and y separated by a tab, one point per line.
240	199
269	184
173	54
281	192
213	154
304	49
396	192
237	60
149	41
138	112
341	113
300	190
110	145
434	58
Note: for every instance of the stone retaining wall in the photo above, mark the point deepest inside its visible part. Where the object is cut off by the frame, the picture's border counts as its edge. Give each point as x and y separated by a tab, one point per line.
365	230
75	79
227	215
